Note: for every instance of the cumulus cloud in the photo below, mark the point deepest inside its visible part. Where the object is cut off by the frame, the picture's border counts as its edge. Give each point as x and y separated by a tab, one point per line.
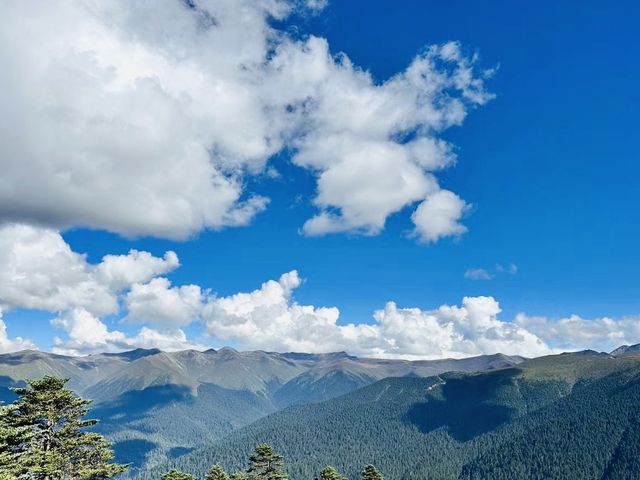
365	173
87	334
120	271
439	216
145	118
83	328
577	333
40	271
455	331
269	318
159	303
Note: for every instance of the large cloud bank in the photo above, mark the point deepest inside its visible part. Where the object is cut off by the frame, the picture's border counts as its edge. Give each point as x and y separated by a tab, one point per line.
40	271
146	117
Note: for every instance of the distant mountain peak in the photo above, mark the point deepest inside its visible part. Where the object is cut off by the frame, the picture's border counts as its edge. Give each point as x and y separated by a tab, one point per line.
581	353
134	354
318	356
28	355
622	349
228	352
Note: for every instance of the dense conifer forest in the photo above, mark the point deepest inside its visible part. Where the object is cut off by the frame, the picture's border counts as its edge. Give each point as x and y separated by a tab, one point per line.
564	417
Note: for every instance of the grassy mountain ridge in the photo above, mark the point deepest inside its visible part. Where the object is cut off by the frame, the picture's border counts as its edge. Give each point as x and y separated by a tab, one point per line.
563	416
154	404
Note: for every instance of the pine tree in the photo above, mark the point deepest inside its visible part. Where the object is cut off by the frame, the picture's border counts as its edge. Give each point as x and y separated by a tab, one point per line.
174	474
371	473
12	440
265	464
238	476
216	473
51	443
330	473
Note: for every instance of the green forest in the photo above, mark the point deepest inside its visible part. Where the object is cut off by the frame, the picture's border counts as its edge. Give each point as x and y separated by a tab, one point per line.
571	416
44	436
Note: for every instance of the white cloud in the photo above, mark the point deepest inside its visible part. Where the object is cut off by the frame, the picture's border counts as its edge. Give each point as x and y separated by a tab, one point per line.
156	117
40	271
8	345
84	328
268	318
577	333
439	216
87	334
477	274
483	274
158	303
144	118
317	4
451	331
511	269
120	271
364	172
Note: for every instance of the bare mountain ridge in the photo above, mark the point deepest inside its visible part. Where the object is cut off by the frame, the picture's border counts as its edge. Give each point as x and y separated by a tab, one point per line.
109	374
626	349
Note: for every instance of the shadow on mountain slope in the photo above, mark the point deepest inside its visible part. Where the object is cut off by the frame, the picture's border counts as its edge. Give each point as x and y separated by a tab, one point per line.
134	404
132	451
467	406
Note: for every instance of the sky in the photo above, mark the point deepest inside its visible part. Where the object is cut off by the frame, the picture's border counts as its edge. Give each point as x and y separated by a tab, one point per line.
415	180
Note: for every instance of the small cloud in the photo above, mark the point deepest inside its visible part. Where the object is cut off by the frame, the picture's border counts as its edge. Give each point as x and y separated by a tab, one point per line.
477	274
511	269
273	173
317	5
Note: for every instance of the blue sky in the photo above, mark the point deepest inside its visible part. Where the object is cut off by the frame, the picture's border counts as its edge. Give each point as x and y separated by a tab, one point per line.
549	168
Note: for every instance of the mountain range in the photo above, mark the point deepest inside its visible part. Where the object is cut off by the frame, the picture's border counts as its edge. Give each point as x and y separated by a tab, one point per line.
569	416
155	405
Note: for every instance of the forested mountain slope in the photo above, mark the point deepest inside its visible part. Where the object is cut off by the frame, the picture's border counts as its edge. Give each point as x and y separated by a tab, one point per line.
154	404
564	417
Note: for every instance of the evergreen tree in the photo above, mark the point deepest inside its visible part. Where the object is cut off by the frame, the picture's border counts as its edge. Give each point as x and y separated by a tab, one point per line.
12	438
44	430
238	476
216	473
174	474
330	473
266	464
371	473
